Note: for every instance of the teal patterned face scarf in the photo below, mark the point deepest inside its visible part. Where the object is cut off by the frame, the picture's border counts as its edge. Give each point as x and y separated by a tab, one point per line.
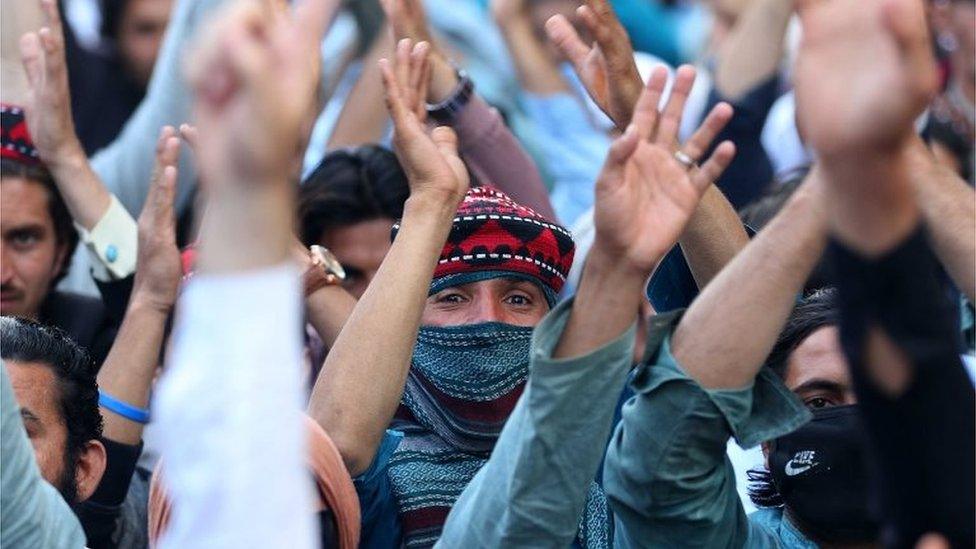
463	384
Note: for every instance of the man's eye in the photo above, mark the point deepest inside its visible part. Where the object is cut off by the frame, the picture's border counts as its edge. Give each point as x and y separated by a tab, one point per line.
24	240
450	298
518	300
817	402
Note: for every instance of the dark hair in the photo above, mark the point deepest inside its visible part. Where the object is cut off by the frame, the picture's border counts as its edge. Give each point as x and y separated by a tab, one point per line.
29	341
349	186
64	229
760	212
816	311
111	11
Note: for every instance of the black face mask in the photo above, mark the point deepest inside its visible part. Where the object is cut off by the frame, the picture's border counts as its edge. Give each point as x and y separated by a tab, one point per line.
822	472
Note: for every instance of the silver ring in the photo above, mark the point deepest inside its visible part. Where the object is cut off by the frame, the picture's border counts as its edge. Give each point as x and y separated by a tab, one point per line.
684	159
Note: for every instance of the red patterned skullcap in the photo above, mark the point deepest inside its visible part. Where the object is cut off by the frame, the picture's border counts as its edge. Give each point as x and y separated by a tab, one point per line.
15	140
492	232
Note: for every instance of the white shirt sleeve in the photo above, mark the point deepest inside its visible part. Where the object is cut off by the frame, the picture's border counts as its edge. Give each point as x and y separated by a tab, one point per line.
229	415
112	243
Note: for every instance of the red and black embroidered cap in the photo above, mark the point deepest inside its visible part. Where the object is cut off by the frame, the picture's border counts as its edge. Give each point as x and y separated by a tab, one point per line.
494	234
15	140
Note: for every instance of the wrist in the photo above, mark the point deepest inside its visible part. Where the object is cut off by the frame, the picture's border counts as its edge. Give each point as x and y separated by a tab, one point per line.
434	204
144	303
67	157
612	271
444	80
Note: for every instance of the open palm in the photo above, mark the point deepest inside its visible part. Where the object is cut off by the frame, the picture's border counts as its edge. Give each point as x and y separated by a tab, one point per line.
865	70
645	195
430	161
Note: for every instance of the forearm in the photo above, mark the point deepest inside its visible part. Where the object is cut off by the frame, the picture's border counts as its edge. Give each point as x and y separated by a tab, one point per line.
948	207
327	310
753	50
125	166
606	305
363	118
128	372
536	70
359	388
261	218
491	151
713	237
739	315
83	192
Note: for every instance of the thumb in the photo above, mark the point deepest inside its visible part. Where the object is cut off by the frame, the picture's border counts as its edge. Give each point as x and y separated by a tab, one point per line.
446	140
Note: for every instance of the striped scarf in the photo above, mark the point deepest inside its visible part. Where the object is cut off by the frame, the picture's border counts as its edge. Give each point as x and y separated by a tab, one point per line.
463	384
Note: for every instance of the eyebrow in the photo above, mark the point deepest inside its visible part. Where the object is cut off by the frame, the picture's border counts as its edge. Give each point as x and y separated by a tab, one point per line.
819	385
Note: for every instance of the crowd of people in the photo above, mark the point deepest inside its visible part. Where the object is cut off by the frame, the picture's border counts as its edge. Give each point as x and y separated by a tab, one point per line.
488	273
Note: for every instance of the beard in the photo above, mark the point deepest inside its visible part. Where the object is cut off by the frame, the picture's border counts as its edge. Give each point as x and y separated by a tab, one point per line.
67	484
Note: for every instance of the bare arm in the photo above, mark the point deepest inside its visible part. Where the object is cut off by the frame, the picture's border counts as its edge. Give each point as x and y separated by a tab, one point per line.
130	367
714	235
363	118
739	315
752	52
537	70
948	206
359	387
48	111
649	188
485	142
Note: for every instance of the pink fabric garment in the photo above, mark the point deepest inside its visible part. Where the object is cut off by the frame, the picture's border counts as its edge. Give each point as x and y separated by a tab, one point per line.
497	158
335	489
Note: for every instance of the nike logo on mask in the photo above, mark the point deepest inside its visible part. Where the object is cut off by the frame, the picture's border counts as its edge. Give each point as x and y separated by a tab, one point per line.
800	463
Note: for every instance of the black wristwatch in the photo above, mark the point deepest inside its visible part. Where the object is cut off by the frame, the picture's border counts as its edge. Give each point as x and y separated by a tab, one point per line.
446	110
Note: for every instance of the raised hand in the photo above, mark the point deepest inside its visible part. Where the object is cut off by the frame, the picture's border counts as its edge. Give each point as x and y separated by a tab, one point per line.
865	71
48	108
431	162
408	20
412	68
607	68
647	191
158	270
255	89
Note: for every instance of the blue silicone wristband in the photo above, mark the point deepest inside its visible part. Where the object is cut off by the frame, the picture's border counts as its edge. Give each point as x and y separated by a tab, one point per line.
128	411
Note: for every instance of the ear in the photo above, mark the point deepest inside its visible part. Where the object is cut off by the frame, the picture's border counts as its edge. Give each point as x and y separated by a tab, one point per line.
89	469
765	450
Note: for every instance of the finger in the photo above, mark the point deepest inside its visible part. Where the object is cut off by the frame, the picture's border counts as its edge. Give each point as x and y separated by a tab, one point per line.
401	68
712	169
564	36
32	59
53	52
645	111
699	141
50	9
667	132
445	139
394	97
190	135
623	148
418	58
246	51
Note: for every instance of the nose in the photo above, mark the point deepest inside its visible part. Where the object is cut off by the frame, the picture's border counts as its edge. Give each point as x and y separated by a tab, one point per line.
486	309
